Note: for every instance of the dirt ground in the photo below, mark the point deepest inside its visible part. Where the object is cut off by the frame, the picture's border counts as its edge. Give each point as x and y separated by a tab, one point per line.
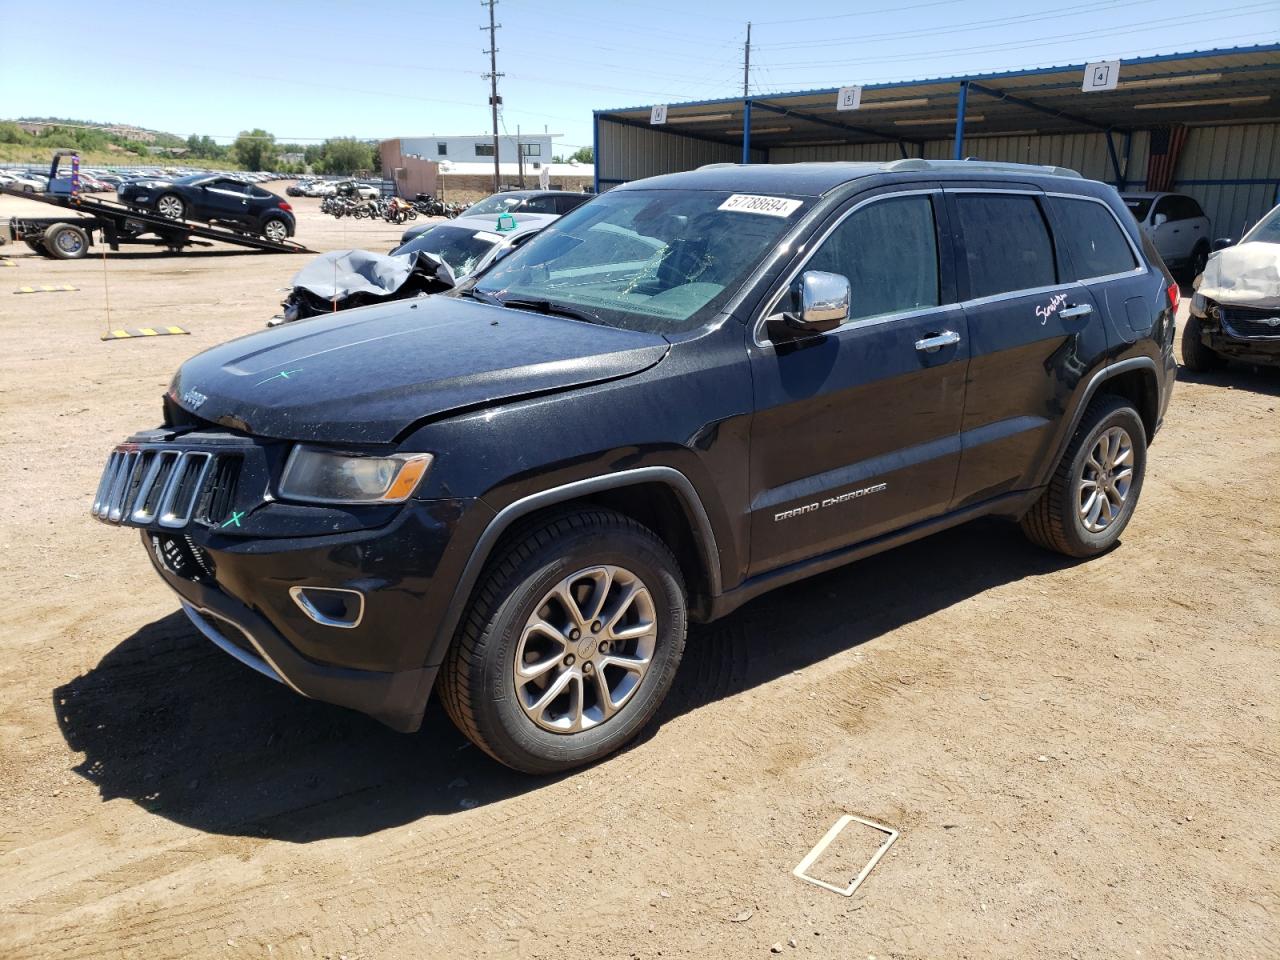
1082	757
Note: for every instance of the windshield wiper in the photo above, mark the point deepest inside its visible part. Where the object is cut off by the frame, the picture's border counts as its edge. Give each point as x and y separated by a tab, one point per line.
550	307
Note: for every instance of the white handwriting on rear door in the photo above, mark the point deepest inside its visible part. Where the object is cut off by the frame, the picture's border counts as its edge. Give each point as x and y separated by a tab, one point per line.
1047	311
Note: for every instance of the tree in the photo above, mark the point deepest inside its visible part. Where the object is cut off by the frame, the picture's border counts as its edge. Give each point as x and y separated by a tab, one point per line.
583	155
255	150
346	155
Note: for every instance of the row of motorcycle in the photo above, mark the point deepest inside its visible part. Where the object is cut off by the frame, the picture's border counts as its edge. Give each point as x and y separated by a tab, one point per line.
390	209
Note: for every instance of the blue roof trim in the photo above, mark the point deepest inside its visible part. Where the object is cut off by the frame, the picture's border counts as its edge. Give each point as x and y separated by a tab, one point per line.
1005	74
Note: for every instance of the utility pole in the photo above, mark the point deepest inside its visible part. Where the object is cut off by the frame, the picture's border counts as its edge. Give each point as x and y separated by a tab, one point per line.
746	64
520	156
494	99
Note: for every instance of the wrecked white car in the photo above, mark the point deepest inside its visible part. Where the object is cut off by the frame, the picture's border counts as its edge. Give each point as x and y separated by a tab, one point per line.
1235	312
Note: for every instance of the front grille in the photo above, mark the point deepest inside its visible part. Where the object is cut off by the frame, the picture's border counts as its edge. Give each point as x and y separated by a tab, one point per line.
143	486
1251	323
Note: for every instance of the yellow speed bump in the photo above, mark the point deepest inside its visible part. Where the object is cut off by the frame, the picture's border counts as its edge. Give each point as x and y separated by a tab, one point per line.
130	333
48	288
5	262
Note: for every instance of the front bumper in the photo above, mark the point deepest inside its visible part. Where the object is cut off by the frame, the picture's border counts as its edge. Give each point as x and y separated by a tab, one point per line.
396	698
258	576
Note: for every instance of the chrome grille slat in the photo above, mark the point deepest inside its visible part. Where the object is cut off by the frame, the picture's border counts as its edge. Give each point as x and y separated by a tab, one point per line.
104	485
191	464
121	486
139	513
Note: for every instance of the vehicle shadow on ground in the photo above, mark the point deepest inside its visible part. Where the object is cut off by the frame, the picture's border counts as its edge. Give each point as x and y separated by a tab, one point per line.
175	725
1237	375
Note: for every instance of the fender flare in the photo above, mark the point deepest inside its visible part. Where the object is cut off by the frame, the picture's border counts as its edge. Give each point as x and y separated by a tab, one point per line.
1092	387
704	535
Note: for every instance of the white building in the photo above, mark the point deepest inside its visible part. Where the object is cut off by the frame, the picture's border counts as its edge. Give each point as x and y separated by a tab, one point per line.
536	147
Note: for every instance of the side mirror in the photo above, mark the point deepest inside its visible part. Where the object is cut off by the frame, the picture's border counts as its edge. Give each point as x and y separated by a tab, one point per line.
1222	243
821	302
1159	220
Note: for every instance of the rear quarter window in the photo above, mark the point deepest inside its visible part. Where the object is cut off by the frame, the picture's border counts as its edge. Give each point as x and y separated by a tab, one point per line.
1092	241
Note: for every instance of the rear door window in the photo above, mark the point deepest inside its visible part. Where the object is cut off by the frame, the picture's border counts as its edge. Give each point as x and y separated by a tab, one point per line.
1092	240
1006	243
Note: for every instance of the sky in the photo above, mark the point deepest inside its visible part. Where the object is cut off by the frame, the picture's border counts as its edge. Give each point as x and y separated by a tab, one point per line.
310	70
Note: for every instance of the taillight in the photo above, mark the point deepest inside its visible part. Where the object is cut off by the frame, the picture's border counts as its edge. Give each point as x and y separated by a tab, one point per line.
285	206
1173	295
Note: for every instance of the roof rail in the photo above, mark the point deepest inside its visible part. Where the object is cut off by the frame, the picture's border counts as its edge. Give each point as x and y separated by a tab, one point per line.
988	166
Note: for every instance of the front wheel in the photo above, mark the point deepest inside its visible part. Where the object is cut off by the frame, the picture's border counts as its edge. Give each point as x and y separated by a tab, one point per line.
571	642
1195	355
1092	494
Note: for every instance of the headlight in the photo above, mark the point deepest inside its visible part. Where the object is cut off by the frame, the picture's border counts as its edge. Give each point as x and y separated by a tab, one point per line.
324	476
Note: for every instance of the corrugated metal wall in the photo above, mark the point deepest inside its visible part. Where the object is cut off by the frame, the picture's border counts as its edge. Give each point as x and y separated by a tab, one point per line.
1247	151
1236	152
632	153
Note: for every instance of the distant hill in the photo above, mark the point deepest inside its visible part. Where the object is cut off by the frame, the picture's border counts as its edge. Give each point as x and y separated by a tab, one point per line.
126	131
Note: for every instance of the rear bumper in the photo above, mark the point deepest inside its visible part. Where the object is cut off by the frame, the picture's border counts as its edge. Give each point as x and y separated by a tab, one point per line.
396	698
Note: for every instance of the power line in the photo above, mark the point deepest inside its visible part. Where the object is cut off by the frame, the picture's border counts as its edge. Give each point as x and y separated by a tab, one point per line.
1117	30
1057	13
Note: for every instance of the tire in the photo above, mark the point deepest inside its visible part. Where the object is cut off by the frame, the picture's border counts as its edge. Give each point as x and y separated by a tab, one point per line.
37	246
171	206
275	229
538	564
1196	357
66	241
1058	520
1199	259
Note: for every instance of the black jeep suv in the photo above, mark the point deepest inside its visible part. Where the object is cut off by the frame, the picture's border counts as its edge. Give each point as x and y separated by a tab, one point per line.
691	390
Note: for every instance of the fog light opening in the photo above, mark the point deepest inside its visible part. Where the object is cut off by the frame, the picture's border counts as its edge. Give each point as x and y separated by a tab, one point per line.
330	606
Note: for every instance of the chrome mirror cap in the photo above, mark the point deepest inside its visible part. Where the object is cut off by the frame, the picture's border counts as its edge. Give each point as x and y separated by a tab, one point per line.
823	302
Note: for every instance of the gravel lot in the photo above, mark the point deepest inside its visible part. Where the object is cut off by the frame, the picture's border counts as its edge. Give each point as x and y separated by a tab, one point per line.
1082	757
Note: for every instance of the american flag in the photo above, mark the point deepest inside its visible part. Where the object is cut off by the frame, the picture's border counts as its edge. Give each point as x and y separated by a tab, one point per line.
1162	159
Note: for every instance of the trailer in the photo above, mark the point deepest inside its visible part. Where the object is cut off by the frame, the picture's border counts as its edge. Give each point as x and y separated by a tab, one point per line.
70	235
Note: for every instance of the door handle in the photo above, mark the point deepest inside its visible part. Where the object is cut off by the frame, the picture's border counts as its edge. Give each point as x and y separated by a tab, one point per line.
936	342
1076	310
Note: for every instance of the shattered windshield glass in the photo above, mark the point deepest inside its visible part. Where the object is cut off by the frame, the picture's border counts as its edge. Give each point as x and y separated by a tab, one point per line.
657	260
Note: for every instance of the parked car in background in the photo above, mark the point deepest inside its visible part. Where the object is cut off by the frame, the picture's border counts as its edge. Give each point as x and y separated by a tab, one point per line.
1235	311
692	390
24	181
1176	225
213	198
556	202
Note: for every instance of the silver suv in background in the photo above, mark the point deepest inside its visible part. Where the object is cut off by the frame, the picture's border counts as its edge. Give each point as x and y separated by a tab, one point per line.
1176	225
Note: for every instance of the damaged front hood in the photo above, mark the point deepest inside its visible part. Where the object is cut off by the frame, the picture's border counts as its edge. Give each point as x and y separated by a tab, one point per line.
364	376
342	273
1247	275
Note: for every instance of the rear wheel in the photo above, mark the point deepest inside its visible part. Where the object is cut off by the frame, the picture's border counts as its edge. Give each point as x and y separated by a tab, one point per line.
275	230
571	642
171	205
66	241
36	245
1195	355
1093	492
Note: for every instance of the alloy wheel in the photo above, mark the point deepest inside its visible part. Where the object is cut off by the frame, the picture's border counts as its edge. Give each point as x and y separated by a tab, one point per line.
585	649
1105	479
170	207
276	231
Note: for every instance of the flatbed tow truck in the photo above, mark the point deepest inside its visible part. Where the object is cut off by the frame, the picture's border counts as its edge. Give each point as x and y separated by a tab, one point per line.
69	237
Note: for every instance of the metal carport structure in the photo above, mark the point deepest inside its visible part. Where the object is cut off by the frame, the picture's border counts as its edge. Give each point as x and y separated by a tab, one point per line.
1205	123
